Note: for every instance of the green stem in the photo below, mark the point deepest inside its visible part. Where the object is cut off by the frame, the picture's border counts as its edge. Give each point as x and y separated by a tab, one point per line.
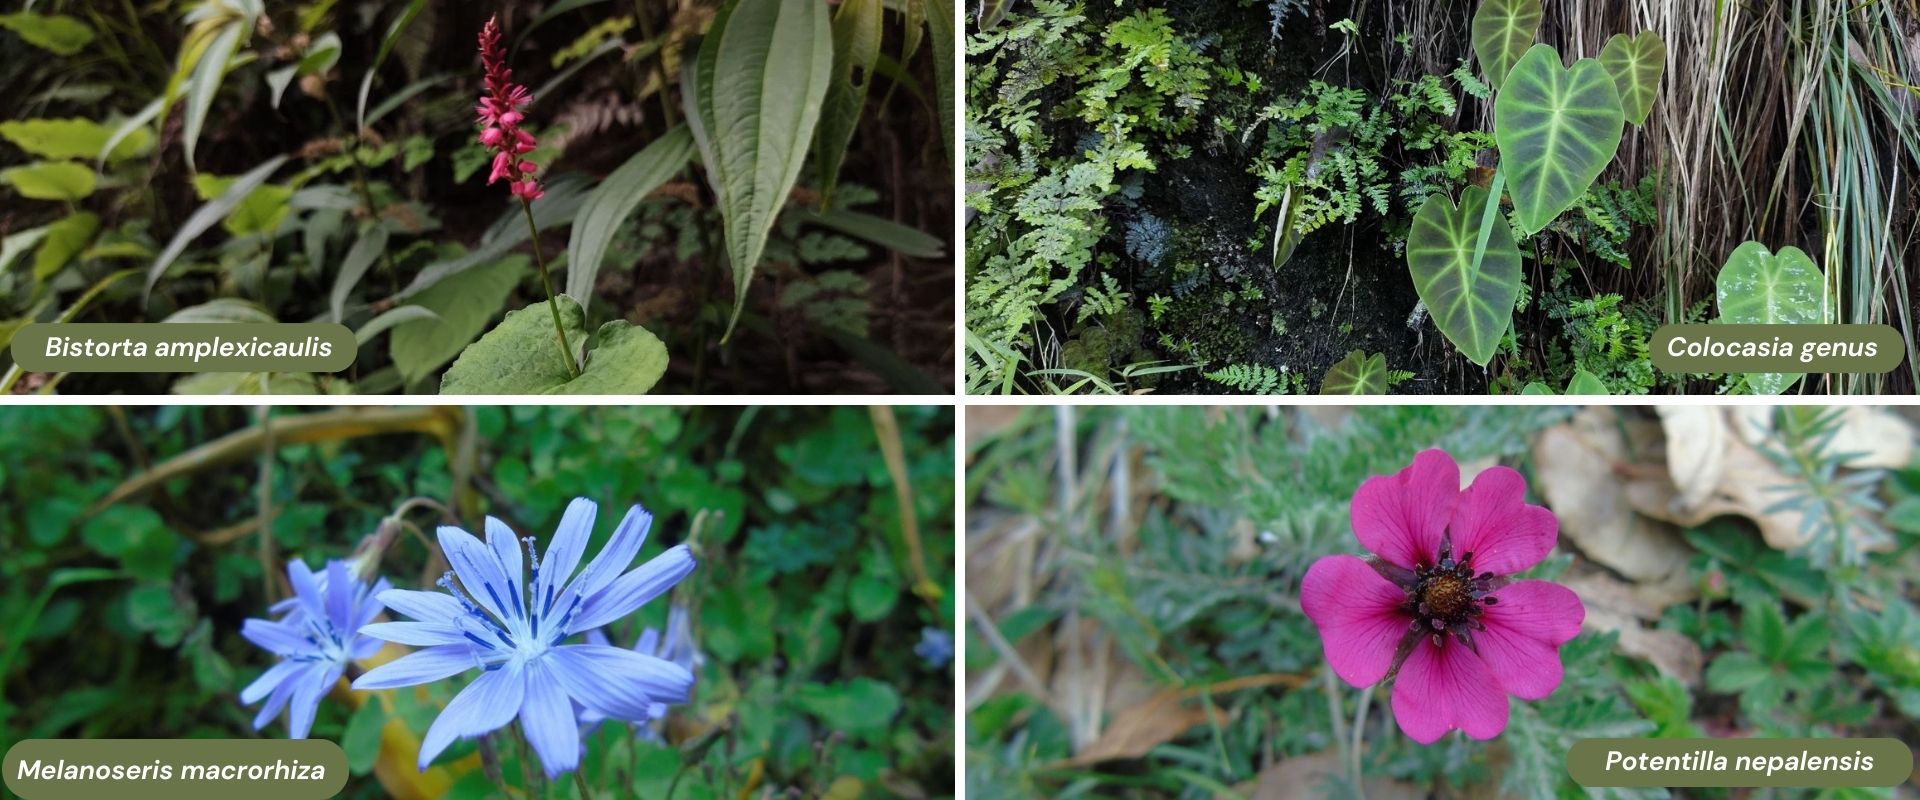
580	783
566	350
676	779
360	183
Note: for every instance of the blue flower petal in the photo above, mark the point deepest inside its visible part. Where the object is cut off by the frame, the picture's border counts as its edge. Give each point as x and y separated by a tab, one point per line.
634	589
616	682
420	666
274	637
416	634
268	681
479	569
275	702
568	544
614	559
339	595
309	687
306	590
423	606
547	717
649	644
369	604
489	702
506	548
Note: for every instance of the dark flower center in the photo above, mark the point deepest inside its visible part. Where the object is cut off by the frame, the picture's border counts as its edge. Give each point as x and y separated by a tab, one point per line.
1448	598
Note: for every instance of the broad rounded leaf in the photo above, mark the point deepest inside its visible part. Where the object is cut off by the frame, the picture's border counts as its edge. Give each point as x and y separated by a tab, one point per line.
58	33
1502	32
1557	129
464	303
613	201
1358	373
522	356
753	97
1586	383
1635	63
1756	287
1472	307
50	180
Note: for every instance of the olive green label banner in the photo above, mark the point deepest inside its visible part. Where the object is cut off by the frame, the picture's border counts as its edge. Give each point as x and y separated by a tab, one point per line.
1777	348
163	769
184	347
1739	762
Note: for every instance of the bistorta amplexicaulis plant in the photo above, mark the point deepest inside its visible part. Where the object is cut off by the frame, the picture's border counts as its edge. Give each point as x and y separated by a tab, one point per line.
499	112
321	630
509	616
1432	606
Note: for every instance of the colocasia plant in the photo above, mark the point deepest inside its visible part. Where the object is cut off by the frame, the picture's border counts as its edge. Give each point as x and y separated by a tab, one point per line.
1433	607
511	618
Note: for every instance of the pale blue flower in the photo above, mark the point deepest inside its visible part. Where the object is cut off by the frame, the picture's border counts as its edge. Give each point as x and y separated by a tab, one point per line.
935	647
510	627
320	632
677	646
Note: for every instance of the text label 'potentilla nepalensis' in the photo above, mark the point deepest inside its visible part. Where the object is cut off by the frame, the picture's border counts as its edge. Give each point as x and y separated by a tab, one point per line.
1432	606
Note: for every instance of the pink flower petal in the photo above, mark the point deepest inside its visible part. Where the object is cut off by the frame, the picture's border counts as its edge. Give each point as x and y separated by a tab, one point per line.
502	168
1444	687
1521	645
1359	616
1401	517
1494	523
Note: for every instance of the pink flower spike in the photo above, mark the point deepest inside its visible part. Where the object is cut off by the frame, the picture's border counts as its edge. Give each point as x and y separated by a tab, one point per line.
1432	605
492	137
502	168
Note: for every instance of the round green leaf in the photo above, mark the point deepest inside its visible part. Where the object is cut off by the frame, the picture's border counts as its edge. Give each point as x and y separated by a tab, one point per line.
1358	373
522	356
1557	128
1585	382
1635	63
1502	31
50	180
1471	305
1757	287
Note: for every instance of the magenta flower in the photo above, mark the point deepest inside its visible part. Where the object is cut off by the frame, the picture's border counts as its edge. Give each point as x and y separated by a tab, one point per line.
499	112
1433	605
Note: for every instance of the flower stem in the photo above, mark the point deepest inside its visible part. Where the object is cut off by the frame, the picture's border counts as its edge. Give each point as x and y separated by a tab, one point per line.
540	261
676	779
360	182
580	783
1359	735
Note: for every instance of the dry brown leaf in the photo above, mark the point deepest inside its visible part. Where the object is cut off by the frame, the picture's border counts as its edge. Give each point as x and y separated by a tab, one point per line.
1616	606
1141	728
1308	776
1696	449
1579	468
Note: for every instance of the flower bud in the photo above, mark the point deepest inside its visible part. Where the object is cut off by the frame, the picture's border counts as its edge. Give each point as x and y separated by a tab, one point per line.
491	137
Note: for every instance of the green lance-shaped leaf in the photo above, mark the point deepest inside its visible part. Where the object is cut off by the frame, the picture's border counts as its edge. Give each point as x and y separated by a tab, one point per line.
58	33
1502	32
1756	287
614	200
753	97
940	18
1557	128
1635	63
50	180
1358	373
856	45
205	216
1473	307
